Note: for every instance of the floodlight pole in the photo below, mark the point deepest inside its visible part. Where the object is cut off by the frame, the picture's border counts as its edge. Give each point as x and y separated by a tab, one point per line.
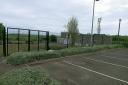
93	22
119	27
99	25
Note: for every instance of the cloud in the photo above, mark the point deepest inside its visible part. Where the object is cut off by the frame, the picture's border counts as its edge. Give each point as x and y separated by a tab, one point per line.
52	15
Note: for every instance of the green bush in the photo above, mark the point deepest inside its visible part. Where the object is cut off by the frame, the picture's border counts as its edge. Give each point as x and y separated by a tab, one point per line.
53	38
25	57
27	76
124	44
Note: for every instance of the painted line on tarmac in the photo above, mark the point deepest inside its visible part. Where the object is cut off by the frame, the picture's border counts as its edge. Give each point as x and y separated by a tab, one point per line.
115	58
114	54
106	62
67	62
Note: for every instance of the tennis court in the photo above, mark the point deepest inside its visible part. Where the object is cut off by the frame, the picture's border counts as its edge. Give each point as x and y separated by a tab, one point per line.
108	67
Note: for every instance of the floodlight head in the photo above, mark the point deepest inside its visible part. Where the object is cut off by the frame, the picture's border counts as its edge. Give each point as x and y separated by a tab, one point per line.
120	20
99	19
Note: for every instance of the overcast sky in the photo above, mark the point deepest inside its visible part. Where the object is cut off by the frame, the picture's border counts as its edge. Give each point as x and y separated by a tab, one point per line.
52	15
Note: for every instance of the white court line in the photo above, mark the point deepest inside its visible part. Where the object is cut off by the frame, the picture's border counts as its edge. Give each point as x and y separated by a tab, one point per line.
96	72
115	58
111	53
106	62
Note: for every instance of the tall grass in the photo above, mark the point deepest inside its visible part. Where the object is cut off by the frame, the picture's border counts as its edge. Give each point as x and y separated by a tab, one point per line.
27	76
26	57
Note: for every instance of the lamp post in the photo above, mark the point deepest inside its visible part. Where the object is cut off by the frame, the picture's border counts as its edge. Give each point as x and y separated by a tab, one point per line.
93	22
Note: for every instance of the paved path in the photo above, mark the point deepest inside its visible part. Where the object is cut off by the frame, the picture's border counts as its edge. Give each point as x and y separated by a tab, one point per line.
108	67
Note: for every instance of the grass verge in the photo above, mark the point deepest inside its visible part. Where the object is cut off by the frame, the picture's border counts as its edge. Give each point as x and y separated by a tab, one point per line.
26	57
79	50
27	76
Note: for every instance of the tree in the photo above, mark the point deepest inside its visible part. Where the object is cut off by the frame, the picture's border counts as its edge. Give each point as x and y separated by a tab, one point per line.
53	38
1	31
73	30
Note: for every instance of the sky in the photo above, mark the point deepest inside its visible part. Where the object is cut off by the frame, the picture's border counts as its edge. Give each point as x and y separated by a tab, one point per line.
53	15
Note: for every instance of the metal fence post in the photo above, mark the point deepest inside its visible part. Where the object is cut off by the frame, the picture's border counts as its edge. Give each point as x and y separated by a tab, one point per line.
4	41
18	40
93	39
68	40
102	42
7	41
82	40
38	40
47	41
28	40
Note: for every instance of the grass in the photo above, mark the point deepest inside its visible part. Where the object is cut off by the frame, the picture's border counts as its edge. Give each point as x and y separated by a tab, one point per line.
23	37
27	76
12	48
55	46
26	57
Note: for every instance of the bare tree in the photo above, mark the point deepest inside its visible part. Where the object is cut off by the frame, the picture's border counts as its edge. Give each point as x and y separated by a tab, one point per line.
73	30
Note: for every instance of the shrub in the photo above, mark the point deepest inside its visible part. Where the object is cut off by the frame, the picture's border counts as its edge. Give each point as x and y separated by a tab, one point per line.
124	44
53	38
27	76
25	57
